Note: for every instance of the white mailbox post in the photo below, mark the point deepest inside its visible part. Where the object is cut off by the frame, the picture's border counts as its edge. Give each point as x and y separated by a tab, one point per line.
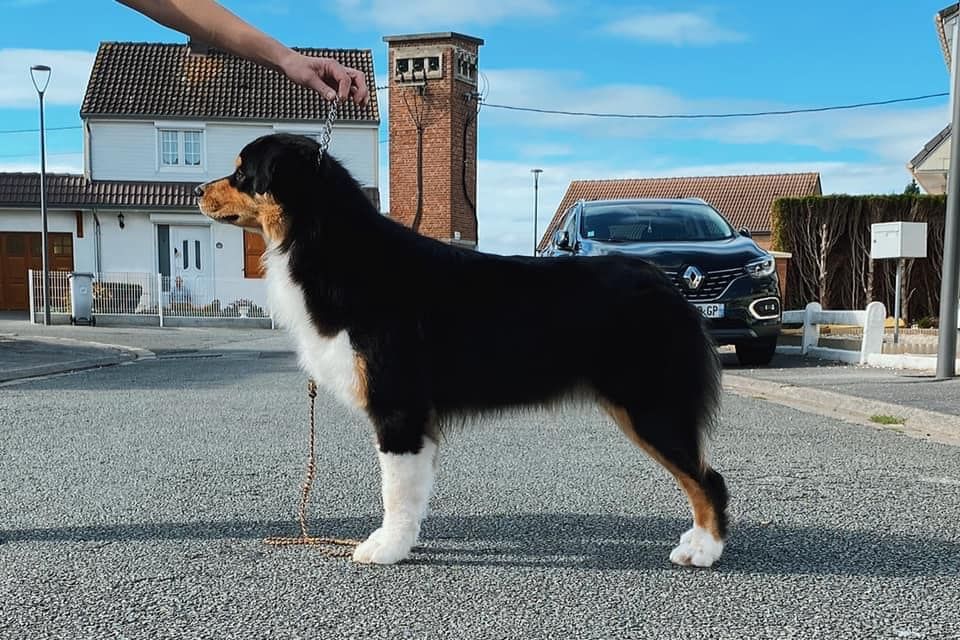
898	240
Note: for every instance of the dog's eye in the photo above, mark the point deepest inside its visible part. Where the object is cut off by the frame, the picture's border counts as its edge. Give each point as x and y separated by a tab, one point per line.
239	175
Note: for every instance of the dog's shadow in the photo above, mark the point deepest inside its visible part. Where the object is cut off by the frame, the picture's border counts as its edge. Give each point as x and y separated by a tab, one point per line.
583	541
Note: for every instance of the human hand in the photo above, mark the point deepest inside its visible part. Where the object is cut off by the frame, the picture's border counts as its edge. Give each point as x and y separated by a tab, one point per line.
326	76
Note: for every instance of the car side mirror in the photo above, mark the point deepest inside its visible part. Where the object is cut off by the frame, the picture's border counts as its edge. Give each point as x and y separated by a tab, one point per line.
746	233
562	240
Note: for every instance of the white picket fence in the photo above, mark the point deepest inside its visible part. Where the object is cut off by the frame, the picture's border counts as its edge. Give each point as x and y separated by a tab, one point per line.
137	294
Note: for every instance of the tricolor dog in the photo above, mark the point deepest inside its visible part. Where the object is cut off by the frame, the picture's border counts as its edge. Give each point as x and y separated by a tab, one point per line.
419	334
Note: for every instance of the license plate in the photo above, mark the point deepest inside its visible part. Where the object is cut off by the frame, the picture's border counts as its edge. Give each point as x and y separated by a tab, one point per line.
710	310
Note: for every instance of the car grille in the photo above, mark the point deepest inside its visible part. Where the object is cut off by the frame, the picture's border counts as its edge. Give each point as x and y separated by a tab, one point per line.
713	286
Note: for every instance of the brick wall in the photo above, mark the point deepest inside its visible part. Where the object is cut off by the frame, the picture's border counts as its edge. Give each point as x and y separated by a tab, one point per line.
443	112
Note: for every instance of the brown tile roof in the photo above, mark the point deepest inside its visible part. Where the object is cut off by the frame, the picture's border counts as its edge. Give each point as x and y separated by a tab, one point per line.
136	79
73	191
66	191
745	200
929	148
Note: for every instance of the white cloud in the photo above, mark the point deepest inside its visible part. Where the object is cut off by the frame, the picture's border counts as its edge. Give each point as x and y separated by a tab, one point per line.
430	14
677	28
68	78
894	132
56	163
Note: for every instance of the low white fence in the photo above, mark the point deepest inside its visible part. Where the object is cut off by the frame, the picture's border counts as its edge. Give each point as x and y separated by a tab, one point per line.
151	295
871	320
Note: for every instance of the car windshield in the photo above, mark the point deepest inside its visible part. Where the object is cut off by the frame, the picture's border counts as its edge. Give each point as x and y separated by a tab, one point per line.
654	222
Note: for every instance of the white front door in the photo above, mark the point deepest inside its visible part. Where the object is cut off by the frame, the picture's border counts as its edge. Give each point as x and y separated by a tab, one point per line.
190	252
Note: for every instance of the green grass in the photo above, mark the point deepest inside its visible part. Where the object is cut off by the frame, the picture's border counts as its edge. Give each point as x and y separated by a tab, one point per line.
887	420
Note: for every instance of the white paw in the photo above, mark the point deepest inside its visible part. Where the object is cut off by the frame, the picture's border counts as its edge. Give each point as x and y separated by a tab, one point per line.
697	547
385	546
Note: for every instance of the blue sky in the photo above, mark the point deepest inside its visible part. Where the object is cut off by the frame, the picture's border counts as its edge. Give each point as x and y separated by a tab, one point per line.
654	57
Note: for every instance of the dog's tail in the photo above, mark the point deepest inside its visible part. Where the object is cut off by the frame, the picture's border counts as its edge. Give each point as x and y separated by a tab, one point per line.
707	372
692	370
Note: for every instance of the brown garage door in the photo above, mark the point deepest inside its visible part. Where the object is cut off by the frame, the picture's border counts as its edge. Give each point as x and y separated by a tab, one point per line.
20	252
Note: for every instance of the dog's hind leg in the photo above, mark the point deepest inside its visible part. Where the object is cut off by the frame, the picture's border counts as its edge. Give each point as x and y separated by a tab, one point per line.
406	457
677	447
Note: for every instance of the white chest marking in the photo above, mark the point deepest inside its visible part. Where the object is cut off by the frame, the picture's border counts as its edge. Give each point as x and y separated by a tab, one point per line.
331	362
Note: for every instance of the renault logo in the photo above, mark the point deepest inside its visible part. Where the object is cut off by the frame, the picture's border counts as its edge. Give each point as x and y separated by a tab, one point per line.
693	278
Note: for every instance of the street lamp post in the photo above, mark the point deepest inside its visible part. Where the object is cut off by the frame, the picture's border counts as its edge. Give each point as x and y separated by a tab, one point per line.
40	74
536	200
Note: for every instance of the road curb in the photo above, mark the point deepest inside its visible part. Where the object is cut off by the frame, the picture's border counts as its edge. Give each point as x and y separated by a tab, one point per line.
918	423
127	354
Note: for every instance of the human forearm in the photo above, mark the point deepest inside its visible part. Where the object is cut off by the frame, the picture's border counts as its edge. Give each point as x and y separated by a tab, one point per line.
209	22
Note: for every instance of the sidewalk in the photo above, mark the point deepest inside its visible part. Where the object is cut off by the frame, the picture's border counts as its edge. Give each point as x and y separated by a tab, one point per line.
29	350
928	408
27	358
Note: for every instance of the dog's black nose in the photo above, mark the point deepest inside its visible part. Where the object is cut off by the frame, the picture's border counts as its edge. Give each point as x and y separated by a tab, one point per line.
198	190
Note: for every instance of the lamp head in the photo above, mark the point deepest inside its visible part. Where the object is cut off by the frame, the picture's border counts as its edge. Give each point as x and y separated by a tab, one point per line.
40	74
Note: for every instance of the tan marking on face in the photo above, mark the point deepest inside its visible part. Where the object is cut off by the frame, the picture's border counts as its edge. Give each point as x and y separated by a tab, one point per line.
704	514
260	212
271	216
237	162
362	389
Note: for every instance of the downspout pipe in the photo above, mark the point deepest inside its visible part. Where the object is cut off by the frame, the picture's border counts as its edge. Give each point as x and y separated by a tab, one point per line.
97	248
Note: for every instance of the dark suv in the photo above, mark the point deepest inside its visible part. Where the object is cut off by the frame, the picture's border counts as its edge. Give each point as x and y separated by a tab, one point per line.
721	271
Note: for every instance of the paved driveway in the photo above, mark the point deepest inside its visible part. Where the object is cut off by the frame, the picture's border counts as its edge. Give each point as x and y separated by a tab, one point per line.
133	501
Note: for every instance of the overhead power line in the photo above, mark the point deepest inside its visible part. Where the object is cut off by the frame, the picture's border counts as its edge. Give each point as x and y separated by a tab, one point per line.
701	116
37	155
645	116
77	126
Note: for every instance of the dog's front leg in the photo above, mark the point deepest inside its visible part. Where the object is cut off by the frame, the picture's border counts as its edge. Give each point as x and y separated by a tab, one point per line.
406	483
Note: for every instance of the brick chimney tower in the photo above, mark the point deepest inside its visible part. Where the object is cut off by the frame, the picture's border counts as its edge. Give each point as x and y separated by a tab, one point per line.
433	134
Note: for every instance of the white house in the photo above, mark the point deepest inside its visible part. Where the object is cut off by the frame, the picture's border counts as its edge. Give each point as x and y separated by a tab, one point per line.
931	165
157	120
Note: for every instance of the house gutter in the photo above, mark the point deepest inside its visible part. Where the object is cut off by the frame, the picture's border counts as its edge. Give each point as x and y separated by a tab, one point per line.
96	243
88	156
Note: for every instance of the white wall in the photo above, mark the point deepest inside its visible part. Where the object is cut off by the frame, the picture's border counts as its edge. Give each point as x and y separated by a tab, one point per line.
357	148
128	150
133	248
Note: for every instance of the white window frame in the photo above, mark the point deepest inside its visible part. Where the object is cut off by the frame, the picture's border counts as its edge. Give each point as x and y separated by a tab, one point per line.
181	128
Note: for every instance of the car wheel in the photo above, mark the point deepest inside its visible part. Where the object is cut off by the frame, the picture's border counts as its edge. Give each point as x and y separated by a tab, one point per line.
757	352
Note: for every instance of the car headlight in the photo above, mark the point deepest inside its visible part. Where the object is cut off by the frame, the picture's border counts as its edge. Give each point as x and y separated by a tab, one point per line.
762	267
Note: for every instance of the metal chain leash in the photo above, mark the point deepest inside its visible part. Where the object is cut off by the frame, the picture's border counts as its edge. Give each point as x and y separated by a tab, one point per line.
328	126
332	547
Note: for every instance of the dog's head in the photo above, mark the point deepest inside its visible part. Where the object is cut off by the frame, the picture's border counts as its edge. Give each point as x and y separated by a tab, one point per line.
272	174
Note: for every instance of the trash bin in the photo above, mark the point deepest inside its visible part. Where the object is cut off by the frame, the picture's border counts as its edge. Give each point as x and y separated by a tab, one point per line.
81	299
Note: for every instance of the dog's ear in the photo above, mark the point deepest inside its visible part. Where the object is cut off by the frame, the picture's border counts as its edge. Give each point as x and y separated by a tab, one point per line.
263	176
289	172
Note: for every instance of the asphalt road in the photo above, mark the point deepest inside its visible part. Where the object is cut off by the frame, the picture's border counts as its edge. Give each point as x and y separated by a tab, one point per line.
133	501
